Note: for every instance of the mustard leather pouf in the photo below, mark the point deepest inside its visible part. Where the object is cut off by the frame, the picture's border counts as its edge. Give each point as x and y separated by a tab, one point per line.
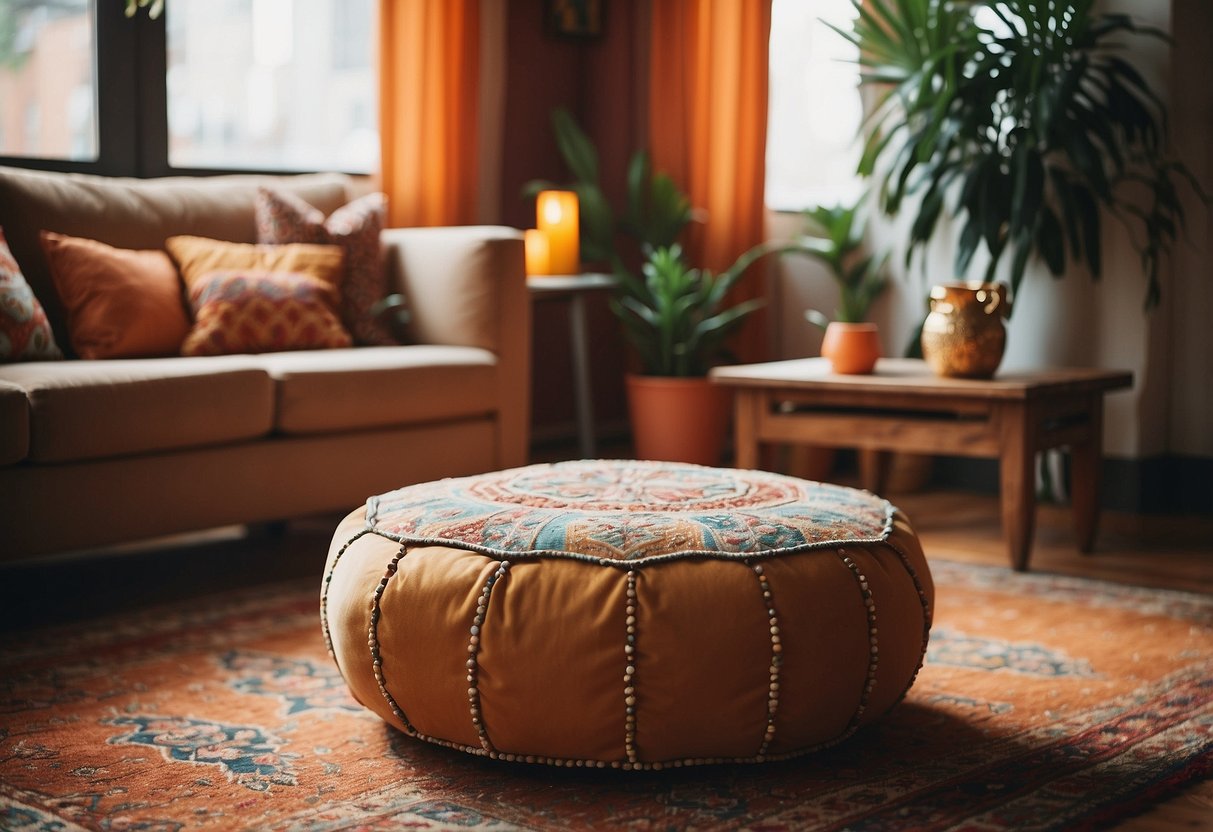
626	614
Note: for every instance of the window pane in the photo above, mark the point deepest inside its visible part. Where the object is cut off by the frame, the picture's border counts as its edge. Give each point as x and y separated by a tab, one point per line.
271	84
815	109
48	90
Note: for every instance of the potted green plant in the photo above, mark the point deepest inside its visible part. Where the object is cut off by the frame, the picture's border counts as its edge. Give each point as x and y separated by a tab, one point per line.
677	318
1023	120
835	237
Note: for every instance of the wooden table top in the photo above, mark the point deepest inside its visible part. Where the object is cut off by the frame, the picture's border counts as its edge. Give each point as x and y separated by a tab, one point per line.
912	376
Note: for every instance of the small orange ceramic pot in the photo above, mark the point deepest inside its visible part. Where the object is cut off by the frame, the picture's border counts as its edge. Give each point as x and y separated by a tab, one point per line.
851	348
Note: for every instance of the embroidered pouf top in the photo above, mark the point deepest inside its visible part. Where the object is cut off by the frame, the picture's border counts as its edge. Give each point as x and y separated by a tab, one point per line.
627	510
627	614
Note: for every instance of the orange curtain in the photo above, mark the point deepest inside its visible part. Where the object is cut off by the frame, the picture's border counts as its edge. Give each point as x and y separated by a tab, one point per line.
708	129
429	66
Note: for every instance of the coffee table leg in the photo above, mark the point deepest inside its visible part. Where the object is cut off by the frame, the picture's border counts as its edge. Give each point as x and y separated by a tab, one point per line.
745	427
581	377
1017	471
1085	457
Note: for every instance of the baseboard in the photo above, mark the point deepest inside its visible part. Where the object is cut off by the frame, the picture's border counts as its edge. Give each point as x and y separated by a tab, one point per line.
1165	484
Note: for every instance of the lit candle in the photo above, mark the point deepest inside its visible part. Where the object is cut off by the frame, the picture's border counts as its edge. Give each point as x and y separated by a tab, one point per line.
557	216
538	252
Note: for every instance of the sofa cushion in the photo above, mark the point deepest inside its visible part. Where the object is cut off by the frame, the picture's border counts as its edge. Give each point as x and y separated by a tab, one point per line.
323	391
120	303
14	423
136	213
91	409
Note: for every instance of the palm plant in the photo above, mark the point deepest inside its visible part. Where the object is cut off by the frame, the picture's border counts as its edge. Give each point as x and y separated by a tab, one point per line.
1021	116
675	315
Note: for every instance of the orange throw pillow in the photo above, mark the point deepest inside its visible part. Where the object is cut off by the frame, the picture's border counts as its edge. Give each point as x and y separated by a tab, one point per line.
260	311
120	303
199	256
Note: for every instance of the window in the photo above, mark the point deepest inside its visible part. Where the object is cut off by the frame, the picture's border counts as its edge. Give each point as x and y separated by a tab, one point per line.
815	108
271	84
48	80
211	85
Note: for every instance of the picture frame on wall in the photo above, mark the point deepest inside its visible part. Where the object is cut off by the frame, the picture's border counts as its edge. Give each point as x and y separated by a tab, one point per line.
580	19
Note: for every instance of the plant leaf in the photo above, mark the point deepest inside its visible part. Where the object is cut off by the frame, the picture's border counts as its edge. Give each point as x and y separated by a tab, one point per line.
575	146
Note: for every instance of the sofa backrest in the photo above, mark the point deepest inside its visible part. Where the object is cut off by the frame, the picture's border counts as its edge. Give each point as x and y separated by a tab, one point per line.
137	213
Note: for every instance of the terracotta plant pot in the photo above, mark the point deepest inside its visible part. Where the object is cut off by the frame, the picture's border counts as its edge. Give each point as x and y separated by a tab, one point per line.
851	348
678	419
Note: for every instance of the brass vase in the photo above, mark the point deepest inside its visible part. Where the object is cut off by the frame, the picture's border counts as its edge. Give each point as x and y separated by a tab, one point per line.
963	335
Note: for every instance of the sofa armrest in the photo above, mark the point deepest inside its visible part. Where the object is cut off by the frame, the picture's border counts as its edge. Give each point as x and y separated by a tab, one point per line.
14	423
466	286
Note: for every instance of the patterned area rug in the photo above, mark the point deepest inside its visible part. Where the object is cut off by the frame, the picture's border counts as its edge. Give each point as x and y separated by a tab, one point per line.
1045	702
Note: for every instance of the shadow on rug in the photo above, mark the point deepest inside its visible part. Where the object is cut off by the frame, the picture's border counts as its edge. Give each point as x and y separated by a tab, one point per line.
1045	702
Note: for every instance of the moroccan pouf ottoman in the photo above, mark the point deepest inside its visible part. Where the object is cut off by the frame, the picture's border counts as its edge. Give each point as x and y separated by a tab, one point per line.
627	614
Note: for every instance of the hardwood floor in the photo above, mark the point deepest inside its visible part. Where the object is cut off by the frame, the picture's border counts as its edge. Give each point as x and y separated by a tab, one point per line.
1143	550
1154	551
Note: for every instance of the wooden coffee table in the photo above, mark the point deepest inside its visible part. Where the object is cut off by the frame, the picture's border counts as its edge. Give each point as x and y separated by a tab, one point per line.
902	406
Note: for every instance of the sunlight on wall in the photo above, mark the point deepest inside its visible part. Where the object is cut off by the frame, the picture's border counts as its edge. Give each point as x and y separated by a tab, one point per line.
814	108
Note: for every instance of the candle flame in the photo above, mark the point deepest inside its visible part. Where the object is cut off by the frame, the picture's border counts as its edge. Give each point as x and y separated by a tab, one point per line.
552	211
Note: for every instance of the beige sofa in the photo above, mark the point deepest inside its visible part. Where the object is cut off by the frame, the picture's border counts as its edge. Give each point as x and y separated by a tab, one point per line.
99	452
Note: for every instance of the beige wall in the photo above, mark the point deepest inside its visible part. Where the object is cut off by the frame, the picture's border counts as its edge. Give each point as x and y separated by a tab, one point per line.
1074	321
1190	422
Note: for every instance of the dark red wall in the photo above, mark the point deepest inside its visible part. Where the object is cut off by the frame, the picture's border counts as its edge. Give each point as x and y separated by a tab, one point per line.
601	82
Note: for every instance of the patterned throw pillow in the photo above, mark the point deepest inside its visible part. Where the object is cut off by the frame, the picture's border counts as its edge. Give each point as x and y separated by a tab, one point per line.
261	311
285	218
199	256
25	334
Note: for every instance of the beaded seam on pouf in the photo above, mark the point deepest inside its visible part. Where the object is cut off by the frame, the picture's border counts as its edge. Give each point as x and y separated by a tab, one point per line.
506	514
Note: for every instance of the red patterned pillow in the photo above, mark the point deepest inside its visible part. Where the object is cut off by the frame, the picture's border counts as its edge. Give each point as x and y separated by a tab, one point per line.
285	218
25	334
260	311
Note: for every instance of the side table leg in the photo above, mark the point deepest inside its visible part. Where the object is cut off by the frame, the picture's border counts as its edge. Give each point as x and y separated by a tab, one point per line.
581	377
745	427
1085	458
874	469
1017	472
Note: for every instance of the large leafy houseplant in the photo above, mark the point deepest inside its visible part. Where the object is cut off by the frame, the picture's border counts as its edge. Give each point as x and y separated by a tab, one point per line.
1022	118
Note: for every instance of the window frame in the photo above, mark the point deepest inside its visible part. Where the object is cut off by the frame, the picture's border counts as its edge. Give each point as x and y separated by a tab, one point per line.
132	104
